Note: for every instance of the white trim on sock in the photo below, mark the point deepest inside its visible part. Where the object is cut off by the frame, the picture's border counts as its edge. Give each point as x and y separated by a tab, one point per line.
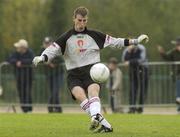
95	106
85	105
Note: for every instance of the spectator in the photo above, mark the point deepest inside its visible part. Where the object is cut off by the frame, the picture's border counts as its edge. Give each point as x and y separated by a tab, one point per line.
54	72
174	55
135	57
115	85
21	59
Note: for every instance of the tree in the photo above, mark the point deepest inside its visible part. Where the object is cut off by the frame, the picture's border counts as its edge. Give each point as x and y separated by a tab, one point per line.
56	17
22	19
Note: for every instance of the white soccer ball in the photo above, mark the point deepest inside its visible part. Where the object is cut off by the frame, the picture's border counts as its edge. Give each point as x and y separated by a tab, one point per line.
99	73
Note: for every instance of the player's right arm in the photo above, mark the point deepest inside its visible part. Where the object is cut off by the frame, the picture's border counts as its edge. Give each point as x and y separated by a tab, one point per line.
48	54
56	49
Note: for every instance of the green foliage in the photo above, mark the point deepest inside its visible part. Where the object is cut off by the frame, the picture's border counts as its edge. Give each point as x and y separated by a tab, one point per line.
130	18
56	17
21	19
34	19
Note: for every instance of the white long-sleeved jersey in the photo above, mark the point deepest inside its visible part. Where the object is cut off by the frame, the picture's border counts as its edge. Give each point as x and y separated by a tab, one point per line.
81	48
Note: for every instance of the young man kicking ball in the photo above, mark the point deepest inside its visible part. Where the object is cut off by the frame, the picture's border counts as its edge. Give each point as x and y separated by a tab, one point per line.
80	48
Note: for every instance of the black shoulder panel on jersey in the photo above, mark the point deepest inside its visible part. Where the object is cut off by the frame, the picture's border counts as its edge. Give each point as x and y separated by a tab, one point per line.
61	41
99	37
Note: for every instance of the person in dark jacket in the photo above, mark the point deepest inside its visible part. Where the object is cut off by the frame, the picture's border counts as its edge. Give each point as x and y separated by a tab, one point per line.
21	59
174	55
55	74
135	57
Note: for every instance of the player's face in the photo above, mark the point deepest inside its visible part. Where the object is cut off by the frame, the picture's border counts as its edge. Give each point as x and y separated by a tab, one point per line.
80	22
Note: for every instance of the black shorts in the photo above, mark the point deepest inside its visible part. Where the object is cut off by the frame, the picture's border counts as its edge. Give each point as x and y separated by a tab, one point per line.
79	77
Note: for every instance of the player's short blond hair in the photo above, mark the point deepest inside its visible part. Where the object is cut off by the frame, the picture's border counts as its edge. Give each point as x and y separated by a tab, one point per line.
83	11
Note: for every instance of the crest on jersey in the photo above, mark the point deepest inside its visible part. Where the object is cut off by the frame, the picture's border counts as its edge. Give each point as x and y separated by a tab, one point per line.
80	44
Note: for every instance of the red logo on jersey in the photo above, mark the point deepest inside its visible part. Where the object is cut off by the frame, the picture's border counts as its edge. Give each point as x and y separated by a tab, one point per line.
80	43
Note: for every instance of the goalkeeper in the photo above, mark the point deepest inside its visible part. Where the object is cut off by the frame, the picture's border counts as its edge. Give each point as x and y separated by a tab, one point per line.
80	48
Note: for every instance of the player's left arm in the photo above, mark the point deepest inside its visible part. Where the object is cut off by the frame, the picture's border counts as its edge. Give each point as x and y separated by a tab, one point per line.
104	40
121	42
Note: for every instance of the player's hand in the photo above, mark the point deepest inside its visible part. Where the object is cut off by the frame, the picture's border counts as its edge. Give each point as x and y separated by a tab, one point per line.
143	38
37	60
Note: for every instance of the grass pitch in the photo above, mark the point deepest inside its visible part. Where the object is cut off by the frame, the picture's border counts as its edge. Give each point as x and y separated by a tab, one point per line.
76	125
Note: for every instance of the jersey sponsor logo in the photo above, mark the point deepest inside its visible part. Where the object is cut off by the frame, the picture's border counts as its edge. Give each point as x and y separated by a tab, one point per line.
80	36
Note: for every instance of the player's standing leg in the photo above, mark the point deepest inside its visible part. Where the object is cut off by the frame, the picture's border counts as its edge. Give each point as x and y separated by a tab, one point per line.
95	110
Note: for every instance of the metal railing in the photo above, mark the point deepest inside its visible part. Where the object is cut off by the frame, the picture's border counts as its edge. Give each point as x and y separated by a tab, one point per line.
161	86
161	92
